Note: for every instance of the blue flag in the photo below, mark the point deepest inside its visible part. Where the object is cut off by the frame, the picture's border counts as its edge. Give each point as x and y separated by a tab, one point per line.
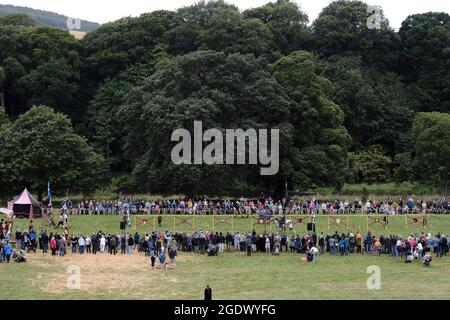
49	192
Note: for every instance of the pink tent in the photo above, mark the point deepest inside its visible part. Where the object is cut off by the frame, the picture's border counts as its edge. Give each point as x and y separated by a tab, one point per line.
24	205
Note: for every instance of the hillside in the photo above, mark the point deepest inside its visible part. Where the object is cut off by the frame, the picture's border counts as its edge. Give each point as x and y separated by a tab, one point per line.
46	17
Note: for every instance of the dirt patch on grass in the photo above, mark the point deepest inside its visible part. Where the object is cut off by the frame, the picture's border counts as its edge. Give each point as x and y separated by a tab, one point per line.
124	275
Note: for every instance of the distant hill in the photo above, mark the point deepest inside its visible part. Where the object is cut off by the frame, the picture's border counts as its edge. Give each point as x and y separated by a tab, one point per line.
46	17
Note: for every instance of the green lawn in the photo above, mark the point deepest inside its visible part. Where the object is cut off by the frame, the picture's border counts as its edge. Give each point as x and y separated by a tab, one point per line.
398	224
230	275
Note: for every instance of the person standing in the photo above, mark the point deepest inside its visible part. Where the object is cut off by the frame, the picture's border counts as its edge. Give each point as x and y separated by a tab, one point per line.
88	244
7	251
102	243
172	255
112	245
267	244
208	293
2	244
53	246
221	242
18	238
81	244
62	246
332	246
152	258
130	245
249	245
162	258
44	241
73	244
321	244
123	244
95	243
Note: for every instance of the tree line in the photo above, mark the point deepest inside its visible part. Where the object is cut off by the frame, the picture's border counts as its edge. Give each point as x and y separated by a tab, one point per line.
353	104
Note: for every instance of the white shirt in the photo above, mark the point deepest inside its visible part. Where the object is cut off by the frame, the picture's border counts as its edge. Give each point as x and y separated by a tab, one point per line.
81	242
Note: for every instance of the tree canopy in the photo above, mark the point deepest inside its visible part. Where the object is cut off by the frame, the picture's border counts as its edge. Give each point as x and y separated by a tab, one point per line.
41	146
354	103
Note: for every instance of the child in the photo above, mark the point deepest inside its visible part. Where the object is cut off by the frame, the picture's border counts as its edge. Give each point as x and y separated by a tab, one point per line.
152	258
172	255
409	258
162	258
427	259
7	251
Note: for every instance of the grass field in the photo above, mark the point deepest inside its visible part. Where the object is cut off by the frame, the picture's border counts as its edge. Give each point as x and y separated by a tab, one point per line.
230	275
398	224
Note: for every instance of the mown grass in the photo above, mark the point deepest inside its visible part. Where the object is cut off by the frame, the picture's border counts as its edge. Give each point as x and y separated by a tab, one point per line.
231	275
398	224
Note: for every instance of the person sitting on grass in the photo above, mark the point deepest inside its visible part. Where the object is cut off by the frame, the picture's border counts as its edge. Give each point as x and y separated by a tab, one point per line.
427	259
409	257
311	255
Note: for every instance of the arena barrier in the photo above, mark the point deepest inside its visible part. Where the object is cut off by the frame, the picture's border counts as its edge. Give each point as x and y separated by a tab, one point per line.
327	222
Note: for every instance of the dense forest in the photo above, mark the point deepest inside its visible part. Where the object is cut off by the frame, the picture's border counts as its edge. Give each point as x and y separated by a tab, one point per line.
353	104
45	18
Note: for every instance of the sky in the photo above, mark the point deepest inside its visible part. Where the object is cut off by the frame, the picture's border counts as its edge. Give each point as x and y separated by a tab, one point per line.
108	10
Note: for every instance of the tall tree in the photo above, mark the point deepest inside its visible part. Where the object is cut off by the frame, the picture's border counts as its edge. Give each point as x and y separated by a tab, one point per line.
227	30
25	50
342	29
426	63
223	92
426	153
3	117
51	84
369	166
17	19
42	146
286	22
376	104
2	80
318	156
